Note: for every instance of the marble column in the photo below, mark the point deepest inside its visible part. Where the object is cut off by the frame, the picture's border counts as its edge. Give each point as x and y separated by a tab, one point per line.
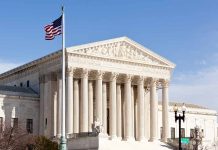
119	113
165	112
133	110
51	98
55	114
112	107
90	105
84	101
41	105
153	110
69	102
59	104
98	95
46	105
141	111
128	108
76	106
147	113
104	107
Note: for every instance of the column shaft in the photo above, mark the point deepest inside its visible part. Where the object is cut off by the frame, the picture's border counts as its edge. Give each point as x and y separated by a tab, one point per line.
90	106
51	98
84	102
153	111
128	109
133	110
69	103
104	111
55	114
98	96
141	112
76	106
46	106
147	113
41	106
165	116
119	113
59	105
113	106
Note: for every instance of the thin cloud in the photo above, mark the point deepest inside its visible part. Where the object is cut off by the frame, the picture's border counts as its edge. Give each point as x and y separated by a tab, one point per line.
198	88
4	66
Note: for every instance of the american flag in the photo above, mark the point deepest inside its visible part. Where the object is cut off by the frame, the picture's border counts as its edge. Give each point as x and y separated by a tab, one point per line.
53	29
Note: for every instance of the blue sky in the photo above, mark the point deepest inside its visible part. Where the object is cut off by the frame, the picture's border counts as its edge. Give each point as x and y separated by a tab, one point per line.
184	31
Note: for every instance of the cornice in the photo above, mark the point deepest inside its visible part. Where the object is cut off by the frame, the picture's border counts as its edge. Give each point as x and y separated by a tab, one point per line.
40	64
19	97
121	61
151	53
30	68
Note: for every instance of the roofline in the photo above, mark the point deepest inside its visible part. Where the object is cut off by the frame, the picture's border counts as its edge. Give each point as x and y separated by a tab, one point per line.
31	64
57	53
128	40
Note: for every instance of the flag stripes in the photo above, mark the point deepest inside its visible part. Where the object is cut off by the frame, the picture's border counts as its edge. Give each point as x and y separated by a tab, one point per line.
53	29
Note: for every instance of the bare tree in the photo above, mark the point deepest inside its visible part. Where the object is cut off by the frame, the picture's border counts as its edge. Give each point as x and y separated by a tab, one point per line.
15	138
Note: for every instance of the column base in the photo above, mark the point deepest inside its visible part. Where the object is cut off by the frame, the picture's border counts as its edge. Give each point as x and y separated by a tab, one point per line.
113	138
69	135
129	139
58	136
142	139
119	138
103	135
153	140
164	140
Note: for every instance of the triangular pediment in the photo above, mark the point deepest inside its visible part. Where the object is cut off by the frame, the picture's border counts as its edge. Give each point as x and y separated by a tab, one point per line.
123	49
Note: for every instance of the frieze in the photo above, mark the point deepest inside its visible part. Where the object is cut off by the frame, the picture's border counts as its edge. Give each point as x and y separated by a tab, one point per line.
120	67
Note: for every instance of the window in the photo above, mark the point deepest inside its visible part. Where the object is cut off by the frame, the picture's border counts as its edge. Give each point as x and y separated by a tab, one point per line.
28	83
172	133
14	122
29	125
182	132
21	84
46	122
1	124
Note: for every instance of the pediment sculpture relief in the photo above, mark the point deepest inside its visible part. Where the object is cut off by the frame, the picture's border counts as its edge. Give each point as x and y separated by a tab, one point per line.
121	50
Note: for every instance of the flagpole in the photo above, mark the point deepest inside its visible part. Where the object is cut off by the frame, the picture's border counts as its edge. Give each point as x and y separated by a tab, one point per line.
63	140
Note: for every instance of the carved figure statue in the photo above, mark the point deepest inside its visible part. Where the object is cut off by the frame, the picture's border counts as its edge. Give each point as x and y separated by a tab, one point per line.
97	127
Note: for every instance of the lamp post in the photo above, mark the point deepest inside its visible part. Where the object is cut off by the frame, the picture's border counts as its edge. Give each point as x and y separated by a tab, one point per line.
179	118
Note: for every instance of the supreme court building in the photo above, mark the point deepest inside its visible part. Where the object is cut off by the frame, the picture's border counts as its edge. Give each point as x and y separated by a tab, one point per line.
114	82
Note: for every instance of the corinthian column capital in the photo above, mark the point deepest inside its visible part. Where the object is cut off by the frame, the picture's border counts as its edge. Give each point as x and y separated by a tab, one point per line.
113	76
70	71
140	79
128	78
85	73
99	74
154	82
165	83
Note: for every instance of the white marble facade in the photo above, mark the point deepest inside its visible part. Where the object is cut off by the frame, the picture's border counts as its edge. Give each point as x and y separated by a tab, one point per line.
114	81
